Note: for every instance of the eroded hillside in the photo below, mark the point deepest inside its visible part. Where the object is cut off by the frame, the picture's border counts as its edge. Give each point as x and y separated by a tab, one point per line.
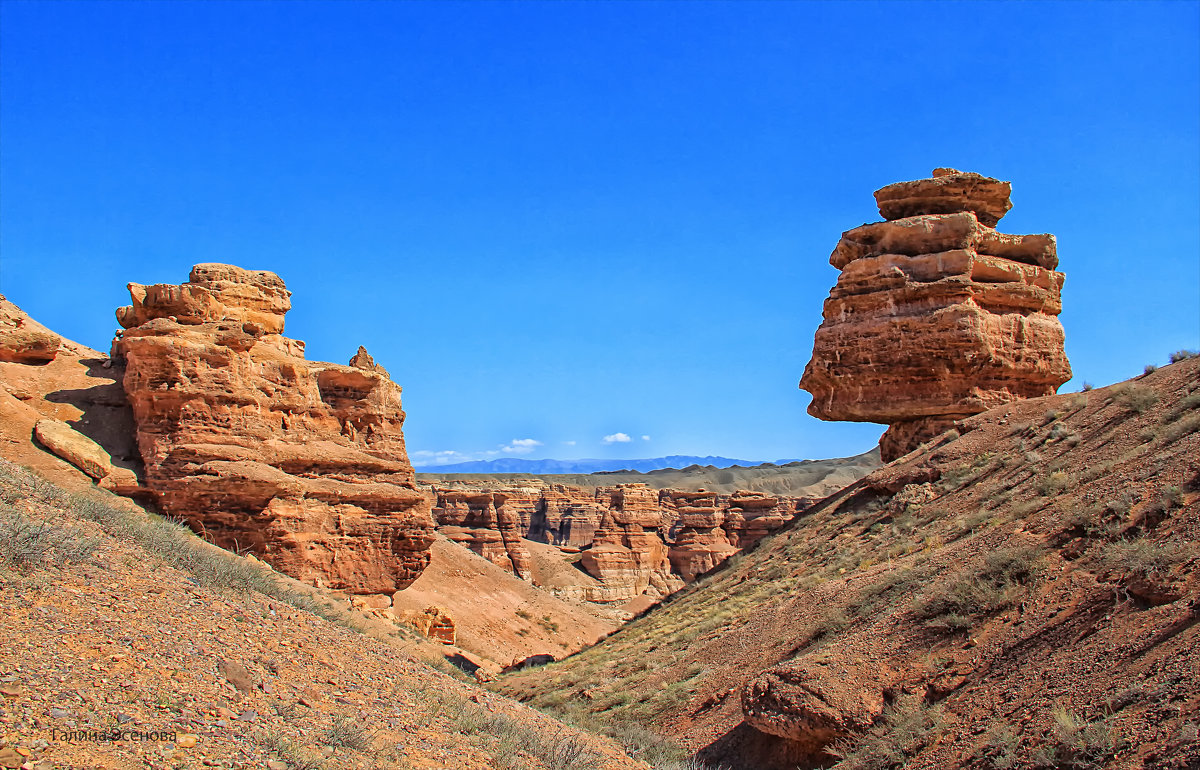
130	643
1024	594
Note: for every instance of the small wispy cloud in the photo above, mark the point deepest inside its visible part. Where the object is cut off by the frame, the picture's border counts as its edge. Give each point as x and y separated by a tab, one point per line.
645	437
617	438
520	446
569	443
442	457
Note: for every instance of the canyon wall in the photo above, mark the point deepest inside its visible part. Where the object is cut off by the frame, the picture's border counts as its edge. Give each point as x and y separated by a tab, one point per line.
936	316
301	463
634	539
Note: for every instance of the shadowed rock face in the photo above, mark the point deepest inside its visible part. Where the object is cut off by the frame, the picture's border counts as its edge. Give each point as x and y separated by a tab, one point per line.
302	463
936	316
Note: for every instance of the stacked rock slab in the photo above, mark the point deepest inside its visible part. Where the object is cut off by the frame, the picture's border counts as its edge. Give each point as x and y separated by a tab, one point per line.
936	316
301	463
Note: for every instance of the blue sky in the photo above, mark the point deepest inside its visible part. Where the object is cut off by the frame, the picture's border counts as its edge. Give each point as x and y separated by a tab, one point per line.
557	222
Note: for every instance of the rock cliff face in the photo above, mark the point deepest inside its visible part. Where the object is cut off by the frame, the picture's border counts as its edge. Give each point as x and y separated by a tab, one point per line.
936	316
635	540
300	462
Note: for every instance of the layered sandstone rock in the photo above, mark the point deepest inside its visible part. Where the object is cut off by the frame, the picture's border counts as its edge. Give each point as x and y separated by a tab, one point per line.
84	454
751	516
23	340
936	316
483	523
302	463
634	539
627	554
433	622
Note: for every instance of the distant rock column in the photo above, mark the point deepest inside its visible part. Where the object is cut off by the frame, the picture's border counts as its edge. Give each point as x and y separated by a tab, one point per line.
936	316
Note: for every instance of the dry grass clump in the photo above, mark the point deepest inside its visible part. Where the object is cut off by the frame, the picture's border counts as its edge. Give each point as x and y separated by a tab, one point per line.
1076	743
998	582
1136	398
28	543
902	731
1141	557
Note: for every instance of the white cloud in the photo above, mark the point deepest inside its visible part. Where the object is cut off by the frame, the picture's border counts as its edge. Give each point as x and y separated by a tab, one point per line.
520	446
444	457
617	438
569	443
645	437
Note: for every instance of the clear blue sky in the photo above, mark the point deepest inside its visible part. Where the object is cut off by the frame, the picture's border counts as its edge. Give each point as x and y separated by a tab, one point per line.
555	221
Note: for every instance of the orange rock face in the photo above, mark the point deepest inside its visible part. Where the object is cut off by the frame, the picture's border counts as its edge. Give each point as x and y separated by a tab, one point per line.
936	316
482	522
23	340
302	463
627	554
634	539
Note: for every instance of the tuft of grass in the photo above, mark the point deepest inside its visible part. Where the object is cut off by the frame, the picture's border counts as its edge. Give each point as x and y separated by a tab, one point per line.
901	732
1142	557
27	544
348	734
998	582
999	748
1053	483
1136	398
1076	743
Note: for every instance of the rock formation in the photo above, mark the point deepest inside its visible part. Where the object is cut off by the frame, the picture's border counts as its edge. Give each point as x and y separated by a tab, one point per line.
23	340
627	554
483	523
700	540
936	316
302	463
634	539
433	622
84	454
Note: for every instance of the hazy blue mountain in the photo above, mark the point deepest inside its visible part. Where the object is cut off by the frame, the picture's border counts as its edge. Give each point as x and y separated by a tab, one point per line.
518	465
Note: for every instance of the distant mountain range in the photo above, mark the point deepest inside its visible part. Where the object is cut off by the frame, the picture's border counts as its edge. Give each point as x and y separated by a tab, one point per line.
518	465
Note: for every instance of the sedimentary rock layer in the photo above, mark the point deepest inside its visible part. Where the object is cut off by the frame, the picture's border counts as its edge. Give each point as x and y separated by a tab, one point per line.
302	463
936	316
634	539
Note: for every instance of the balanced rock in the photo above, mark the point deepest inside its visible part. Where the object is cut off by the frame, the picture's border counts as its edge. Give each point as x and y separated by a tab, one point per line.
936	316
300	463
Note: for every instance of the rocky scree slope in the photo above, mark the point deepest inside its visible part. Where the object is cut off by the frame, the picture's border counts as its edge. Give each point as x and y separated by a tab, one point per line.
1022	592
